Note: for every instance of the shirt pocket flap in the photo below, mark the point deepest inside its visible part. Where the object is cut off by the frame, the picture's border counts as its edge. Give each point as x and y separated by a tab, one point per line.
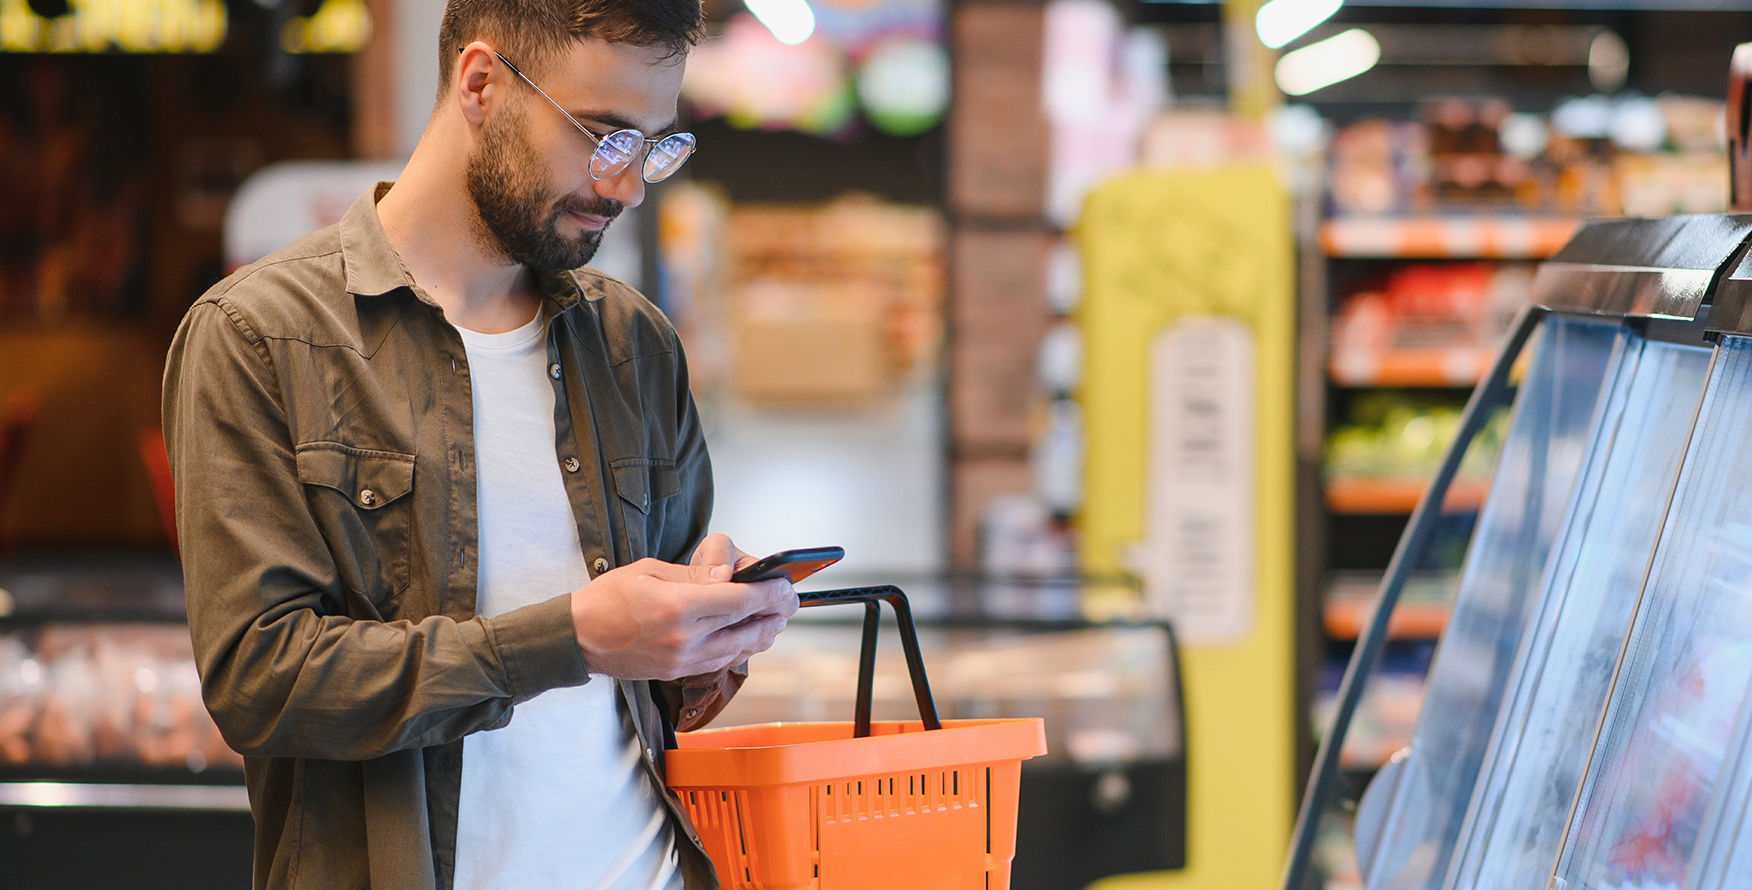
370	479
643	481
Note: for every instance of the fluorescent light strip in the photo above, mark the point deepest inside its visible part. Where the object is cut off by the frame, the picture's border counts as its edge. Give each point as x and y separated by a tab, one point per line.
1282	21
791	21
1320	65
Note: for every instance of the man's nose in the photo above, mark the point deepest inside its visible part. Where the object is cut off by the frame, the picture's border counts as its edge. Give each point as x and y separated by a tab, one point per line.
626	187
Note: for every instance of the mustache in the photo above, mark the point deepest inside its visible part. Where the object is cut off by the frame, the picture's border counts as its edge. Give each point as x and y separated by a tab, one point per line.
599	206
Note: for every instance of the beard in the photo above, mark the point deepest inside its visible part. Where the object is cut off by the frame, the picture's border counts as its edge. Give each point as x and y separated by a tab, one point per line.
517	213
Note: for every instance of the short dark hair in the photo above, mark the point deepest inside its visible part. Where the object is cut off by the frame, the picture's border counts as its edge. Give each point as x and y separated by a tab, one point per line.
533	32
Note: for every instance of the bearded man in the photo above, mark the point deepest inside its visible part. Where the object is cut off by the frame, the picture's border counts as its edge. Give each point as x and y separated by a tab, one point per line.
443	495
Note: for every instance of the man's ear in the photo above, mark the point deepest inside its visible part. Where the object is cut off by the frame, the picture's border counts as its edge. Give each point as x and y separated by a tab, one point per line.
478	80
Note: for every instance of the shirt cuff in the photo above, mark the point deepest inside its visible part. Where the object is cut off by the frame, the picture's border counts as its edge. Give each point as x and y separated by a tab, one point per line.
539	648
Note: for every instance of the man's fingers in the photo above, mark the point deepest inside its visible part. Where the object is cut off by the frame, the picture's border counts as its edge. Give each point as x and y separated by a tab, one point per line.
715	550
725	604
739	642
775	595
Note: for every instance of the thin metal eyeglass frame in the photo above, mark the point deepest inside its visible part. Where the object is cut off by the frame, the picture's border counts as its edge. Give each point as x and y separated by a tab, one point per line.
648	142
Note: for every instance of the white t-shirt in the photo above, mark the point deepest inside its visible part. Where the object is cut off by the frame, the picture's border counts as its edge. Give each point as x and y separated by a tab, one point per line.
557	798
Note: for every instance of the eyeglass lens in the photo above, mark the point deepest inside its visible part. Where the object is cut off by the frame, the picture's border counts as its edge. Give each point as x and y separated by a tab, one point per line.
667	156
618	149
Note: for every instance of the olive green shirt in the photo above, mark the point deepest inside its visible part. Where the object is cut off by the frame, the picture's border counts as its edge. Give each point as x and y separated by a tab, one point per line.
319	421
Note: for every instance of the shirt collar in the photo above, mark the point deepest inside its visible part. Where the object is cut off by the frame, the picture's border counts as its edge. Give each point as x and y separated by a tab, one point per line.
374	268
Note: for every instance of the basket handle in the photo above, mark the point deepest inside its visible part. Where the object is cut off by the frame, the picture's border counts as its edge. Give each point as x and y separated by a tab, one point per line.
909	644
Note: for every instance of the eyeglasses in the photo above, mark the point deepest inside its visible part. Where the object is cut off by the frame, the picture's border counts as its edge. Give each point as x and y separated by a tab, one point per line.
619	149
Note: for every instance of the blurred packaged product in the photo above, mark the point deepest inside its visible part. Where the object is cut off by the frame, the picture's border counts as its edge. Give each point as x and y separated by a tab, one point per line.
1394	436
1057	457
1594	156
1018	536
1426	324
1101	83
1064	277
1665	184
1060	364
1379	166
99	694
833	303
1466	162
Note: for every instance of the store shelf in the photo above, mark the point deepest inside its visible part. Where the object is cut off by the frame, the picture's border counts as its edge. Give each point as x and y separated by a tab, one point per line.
1354	496
1447	366
1420	614
1344	619
1504	236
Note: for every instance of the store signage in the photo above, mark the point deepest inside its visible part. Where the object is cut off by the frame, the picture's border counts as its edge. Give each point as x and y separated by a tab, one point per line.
99	26
1196	558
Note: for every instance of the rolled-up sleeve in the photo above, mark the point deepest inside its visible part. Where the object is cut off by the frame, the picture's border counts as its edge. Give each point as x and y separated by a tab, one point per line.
283	672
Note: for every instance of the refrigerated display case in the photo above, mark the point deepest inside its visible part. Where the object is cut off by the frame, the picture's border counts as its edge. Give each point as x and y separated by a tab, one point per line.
111	772
1586	718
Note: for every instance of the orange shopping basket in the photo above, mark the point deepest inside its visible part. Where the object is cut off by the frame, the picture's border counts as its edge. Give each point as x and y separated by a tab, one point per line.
859	805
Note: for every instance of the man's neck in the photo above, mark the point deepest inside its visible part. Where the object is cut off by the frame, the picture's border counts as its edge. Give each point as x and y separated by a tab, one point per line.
429	218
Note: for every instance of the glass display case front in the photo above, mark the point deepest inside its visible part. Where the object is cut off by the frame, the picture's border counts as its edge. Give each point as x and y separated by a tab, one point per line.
1531	774
1684	675
1586	719
1521	518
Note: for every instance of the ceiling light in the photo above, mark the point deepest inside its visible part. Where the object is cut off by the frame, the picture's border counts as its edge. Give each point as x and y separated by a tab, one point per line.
791	21
1320	65
1281	21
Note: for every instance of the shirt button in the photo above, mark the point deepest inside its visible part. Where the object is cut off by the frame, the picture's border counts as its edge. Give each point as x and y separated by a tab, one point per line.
600	565
691	713
572	465
554	370
367	497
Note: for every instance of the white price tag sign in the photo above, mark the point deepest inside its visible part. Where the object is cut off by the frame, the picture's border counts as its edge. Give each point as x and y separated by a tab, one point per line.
1196	558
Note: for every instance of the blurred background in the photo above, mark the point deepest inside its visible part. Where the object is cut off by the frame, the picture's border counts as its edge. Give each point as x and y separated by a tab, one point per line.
1162	310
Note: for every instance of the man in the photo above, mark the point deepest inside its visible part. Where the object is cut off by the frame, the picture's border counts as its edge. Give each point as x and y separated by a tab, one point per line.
435	483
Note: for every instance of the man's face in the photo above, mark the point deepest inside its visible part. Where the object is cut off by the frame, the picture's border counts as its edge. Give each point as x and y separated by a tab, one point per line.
529	174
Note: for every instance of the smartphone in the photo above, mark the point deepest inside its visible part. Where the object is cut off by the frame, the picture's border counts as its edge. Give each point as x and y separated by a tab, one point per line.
793	564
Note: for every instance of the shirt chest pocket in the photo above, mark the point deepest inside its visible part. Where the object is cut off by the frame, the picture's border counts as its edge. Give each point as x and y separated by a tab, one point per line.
360	500
643	483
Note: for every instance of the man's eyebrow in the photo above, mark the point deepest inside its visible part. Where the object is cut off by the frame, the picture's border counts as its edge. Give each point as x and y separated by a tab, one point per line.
620	122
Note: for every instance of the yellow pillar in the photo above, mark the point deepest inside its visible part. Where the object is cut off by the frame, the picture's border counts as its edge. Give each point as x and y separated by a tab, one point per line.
1159	249
1251	70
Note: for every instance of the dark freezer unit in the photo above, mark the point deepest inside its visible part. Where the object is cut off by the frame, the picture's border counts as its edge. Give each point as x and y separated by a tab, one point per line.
1587	718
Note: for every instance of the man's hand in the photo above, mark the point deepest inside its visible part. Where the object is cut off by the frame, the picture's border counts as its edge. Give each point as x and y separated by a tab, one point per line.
719	550
654	620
